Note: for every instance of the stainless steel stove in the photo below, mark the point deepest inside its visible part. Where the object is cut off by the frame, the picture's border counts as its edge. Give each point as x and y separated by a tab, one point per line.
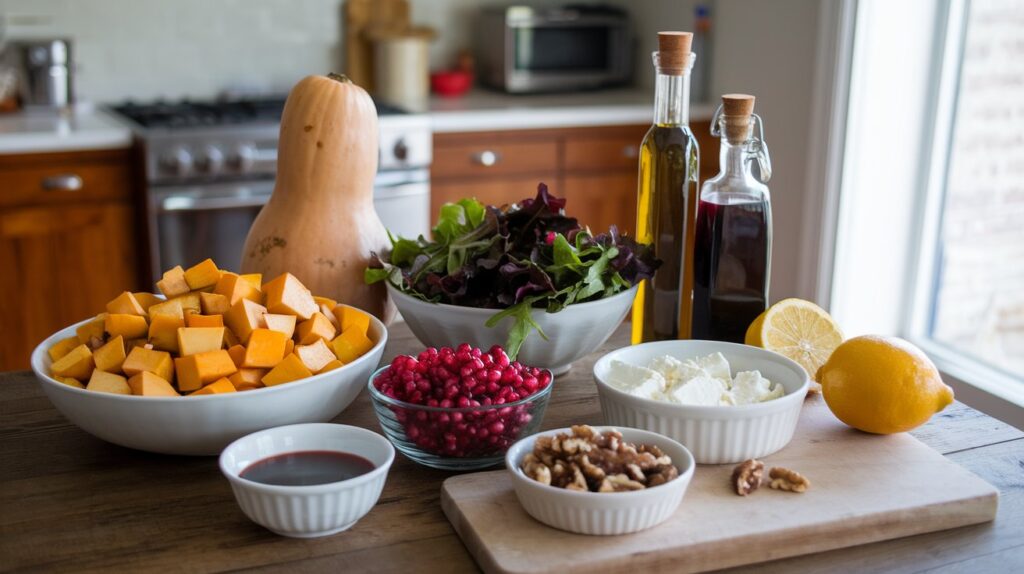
209	168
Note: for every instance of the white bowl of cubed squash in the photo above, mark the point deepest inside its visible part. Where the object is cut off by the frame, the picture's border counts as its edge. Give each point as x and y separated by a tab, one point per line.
214	357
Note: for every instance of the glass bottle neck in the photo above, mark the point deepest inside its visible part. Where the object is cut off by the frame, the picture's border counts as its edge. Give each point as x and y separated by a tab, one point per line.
672	99
732	159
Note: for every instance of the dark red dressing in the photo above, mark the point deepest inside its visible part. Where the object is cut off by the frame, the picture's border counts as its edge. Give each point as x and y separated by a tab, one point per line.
306	468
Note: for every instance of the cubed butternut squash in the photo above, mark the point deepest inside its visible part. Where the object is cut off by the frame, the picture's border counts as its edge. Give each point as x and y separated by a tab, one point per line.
289	369
126	304
190	302
194	371
316	327
127	326
108	383
63	347
316	355
282	323
265	349
173	282
70	381
194	340
196	320
147	300
237	353
110	356
335	364
163	332
351	344
147	384
235	288
142	359
248	378
286	295
77	363
352	317
221	385
170	308
213	304
330	303
201	275
243	317
254	279
230	339
289	346
86	332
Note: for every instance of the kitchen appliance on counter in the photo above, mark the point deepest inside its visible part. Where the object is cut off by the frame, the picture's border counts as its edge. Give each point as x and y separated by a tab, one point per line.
209	167
47	73
525	50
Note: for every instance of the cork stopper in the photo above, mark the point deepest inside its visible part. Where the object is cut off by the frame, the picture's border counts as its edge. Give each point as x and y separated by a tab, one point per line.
674	52
736	110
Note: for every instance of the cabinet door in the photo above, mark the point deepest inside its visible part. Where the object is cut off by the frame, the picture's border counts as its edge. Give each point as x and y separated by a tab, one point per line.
601	200
489	191
59	265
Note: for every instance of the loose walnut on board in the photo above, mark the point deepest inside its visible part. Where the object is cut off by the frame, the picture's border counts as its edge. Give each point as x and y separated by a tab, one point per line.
746	477
786	479
587	460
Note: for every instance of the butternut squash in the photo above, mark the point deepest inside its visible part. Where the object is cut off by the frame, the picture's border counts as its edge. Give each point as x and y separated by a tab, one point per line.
320	223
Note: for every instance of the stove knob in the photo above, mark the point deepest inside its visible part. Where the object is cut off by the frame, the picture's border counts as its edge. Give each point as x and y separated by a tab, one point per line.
244	157
177	161
401	150
211	161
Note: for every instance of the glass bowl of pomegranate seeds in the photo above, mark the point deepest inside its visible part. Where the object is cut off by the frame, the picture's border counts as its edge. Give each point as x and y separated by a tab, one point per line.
458	409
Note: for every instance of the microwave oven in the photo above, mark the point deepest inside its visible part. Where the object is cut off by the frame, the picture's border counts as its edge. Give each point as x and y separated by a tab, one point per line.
527	50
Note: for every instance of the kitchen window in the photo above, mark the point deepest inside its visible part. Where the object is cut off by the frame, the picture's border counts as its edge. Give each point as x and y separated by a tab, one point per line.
929	230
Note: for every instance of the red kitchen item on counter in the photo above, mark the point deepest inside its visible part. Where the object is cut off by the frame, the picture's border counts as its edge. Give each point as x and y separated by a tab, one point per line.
451	83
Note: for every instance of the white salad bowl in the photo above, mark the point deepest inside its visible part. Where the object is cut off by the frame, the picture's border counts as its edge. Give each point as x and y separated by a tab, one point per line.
602	513
572	333
714	434
203	425
314	510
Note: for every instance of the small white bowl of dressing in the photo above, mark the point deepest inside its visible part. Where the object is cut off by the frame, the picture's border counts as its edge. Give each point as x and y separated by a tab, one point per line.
308	480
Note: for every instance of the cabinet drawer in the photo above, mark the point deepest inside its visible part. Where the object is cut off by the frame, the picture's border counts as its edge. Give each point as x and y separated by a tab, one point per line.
497	191
494	158
602	154
42	182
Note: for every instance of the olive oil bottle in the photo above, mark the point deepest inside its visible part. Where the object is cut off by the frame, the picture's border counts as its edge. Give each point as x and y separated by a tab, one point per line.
667	197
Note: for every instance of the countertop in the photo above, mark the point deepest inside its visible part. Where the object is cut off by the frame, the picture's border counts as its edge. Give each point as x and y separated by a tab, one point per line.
81	128
485	110
73	502
87	127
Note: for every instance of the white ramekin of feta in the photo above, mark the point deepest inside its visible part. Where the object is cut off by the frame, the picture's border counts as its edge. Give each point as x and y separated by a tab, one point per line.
725	402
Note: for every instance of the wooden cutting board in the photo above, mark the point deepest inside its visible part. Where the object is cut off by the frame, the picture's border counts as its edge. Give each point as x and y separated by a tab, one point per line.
864	488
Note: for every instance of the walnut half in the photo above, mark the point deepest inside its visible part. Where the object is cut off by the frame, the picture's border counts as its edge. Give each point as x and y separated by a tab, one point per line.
790	480
746	477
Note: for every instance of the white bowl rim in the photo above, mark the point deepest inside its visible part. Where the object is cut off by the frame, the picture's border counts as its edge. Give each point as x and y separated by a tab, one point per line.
41	348
310	488
707	409
398	293
518	474
379	396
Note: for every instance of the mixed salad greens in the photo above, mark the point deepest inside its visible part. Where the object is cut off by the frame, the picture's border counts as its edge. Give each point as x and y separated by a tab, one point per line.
515	258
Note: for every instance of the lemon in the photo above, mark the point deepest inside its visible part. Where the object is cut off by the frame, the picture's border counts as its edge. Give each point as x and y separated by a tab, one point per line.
882	385
796	329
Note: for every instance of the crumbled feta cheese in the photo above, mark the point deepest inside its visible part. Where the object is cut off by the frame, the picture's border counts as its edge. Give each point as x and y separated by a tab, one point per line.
701	390
635	380
700	381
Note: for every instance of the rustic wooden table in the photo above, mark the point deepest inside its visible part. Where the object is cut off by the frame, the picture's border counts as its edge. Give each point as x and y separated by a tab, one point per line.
69	501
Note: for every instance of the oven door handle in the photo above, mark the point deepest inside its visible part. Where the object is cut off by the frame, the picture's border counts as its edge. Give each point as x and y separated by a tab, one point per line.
184	203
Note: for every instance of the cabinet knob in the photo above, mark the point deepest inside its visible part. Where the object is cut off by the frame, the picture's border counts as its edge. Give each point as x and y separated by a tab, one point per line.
630	151
63	182
486	158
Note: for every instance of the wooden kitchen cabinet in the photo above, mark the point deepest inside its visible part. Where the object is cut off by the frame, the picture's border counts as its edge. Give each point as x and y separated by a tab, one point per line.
595	168
68	243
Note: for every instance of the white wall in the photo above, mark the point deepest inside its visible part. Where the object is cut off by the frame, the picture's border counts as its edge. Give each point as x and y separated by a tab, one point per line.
768	49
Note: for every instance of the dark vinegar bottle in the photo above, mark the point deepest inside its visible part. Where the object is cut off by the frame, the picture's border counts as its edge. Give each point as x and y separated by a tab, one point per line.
733	232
